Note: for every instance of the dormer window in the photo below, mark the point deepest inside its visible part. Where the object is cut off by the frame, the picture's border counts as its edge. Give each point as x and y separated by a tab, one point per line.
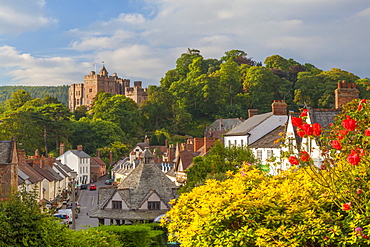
154	205
117	204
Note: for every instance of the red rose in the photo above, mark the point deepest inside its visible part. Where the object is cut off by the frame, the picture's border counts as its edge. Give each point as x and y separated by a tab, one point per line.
349	124
353	158
367	132
336	144
360	104
293	160
316	129
297	122
307	128
304	113
305	156
300	132
347	206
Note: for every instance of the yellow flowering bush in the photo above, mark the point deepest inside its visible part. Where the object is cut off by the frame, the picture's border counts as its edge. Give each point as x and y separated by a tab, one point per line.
250	209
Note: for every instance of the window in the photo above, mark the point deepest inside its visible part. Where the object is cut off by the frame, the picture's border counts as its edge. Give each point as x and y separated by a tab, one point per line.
269	153
117	204
90	90
242	142
259	154
154	205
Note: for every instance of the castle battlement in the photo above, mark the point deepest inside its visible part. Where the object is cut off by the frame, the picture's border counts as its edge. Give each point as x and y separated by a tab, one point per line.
84	93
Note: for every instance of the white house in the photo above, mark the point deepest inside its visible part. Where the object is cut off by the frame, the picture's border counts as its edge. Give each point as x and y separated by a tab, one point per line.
78	161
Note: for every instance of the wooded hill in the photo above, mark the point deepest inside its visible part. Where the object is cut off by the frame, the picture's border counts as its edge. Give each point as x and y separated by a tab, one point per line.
59	92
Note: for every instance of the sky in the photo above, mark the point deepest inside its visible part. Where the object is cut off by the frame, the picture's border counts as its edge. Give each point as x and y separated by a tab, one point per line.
57	42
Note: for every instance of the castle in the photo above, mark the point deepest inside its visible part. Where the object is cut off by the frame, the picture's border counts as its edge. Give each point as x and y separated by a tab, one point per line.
84	93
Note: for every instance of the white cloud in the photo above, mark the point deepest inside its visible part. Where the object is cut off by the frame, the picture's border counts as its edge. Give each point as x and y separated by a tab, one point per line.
23	15
28	70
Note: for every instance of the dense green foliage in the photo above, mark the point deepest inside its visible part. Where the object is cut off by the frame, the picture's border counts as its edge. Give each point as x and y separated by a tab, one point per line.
216	163
22	224
59	92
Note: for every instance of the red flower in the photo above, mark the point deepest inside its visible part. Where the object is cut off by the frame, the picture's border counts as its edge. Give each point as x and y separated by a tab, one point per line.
336	144
360	104
349	124
304	113
300	132
305	156
367	132
347	206
365	236
293	160
360	151
316	129
359	191
353	158
297	122
308	130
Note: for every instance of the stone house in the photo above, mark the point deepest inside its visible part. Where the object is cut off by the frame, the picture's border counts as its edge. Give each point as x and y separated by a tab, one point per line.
8	167
141	197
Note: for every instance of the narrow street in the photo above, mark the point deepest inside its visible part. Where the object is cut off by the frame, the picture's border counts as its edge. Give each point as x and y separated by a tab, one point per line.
88	199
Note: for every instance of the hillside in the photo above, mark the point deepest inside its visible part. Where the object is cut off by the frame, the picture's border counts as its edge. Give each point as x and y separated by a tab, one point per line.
59	92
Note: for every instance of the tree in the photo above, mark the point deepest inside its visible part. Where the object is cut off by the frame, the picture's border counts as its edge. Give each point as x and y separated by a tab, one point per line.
238	56
277	62
153	140
183	62
117	109
18	99
308	89
219	160
230	79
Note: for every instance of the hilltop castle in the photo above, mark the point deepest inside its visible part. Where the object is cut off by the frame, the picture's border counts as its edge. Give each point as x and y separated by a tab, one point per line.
83	93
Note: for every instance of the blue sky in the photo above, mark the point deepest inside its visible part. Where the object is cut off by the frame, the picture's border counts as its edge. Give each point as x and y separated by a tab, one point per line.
57	42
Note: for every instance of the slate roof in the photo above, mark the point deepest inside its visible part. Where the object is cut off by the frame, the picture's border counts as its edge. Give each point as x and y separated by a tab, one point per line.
44	173
225	124
22	177
56	176
34	176
249	124
323	116
80	153
135	189
268	140
5	152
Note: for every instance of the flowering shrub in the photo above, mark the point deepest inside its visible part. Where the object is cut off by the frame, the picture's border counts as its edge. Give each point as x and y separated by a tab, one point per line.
304	206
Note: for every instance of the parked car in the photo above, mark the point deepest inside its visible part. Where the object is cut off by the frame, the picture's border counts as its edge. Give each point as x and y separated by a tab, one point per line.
109	181
65	218
92	187
78	206
69	212
83	187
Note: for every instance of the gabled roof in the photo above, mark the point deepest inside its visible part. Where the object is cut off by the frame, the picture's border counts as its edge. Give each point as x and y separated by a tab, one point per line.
44	173
96	161
323	116
186	158
22	177
55	174
269	140
80	153
58	166
245	127
144	178
224	124
34	176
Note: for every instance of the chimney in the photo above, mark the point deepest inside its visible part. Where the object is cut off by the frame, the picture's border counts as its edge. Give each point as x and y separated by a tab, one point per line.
346	92
37	154
198	143
166	143
252	112
61	148
98	153
221	124
21	156
279	107
79	147
208	143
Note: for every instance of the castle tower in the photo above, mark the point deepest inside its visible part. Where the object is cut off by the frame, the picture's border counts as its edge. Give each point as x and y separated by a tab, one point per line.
346	92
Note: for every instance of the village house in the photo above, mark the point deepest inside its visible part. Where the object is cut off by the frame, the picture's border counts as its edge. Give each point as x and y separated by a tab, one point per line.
141	197
78	161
